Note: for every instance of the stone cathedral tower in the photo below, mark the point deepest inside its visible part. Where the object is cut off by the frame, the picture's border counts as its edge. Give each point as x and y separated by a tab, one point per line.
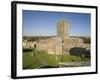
63	30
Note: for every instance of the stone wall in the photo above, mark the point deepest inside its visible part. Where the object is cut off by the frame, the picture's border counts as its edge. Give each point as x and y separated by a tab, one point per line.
52	46
28	44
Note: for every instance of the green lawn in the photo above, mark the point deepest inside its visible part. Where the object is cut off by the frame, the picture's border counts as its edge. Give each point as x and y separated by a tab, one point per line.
41	58
30	61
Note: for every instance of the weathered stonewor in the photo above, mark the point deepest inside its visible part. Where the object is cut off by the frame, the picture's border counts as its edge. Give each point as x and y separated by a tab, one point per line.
28	44
52	46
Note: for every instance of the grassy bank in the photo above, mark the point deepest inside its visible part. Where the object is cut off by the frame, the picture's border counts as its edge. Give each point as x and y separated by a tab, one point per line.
32	60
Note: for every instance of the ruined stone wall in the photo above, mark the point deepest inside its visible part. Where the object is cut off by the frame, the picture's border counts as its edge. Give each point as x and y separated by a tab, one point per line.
71	43
52	46
28	44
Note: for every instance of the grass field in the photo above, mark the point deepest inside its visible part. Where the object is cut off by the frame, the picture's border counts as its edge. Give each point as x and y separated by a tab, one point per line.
41	58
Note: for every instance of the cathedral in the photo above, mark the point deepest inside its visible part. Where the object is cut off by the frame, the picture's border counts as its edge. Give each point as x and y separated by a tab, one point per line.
62	43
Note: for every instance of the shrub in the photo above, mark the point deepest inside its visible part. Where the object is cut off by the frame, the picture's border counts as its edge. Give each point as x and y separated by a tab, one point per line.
27	50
